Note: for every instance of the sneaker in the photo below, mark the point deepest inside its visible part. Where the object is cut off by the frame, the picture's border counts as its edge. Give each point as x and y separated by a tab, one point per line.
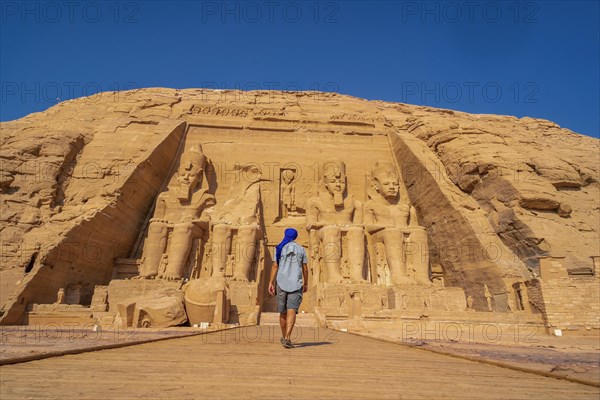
288	344
282	341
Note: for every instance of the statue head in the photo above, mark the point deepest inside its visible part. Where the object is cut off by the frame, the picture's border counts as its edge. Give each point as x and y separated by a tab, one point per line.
250	173
288	175
385	181
189	174
334	180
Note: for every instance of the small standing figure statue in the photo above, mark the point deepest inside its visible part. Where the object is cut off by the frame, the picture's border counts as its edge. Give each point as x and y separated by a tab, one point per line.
162	266
470	303
60	296
488	296
288	192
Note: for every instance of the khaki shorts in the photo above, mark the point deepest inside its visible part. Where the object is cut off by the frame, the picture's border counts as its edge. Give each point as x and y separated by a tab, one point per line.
288	300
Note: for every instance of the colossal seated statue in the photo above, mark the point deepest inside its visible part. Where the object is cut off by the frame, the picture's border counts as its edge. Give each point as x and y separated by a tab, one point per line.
240	216
334	217
393	223
178	220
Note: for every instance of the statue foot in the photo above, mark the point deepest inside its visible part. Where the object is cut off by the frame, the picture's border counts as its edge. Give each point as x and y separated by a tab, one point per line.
357	279
145	276
170	277
403	280
426	283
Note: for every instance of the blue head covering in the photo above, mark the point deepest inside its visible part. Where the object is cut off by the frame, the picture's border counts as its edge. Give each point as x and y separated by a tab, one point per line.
290	234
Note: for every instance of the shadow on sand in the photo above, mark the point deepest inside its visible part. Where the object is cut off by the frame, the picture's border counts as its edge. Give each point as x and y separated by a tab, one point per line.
309	344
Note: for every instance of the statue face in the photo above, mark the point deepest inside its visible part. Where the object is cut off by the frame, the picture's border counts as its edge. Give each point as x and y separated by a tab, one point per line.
387	185
335	183
189	172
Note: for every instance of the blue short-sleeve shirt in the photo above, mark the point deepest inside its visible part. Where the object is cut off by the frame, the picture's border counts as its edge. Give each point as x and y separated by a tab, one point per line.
289	275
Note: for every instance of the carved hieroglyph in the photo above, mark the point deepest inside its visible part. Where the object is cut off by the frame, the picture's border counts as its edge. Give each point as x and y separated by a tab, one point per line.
392	224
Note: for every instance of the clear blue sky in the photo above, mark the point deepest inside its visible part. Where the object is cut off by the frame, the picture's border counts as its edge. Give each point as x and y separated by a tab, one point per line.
527	58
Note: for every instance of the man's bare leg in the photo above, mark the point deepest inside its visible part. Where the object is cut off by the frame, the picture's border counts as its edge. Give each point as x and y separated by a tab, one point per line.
291	320
283	323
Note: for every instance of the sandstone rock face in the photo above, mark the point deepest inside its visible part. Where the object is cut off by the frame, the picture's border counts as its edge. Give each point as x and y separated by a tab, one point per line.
79	182
76	184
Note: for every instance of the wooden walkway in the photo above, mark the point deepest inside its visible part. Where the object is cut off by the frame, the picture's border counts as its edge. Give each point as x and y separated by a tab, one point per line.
250	363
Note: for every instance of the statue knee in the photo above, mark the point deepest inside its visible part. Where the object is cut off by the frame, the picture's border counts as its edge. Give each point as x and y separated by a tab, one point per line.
220	232
330	233
157	228
248	231
182	227
355	232
392	235
416	231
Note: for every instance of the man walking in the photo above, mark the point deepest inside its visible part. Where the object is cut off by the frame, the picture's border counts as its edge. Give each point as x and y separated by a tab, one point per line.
290	270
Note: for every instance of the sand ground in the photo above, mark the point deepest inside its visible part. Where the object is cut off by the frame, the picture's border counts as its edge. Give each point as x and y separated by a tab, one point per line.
251	363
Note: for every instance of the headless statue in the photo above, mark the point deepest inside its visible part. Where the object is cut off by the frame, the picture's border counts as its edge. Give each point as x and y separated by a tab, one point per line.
394	224
241	213
178	212
332	214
